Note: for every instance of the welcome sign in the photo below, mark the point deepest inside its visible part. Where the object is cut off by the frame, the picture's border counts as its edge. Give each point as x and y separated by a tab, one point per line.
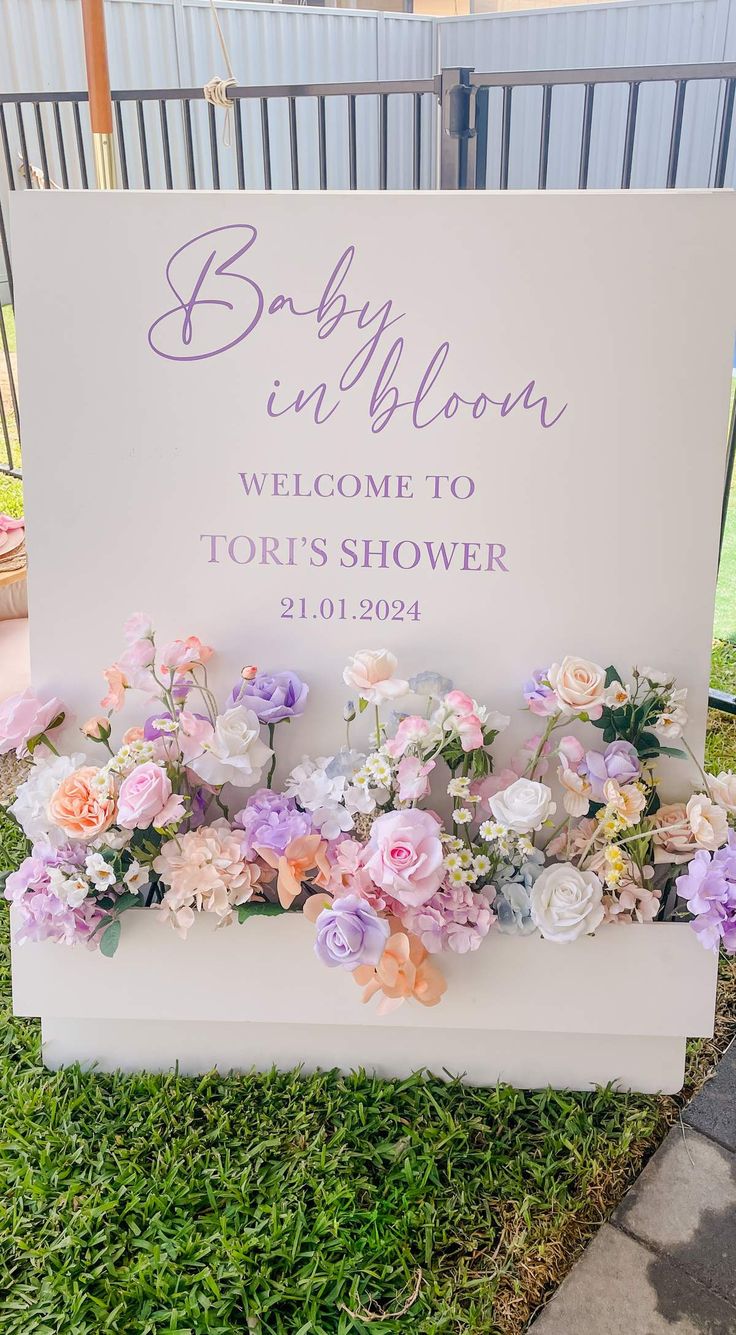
479	430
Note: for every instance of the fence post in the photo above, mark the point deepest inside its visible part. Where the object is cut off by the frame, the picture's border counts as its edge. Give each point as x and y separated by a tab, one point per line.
457	129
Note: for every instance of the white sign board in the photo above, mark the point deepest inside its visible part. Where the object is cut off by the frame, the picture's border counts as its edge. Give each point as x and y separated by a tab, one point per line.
482	430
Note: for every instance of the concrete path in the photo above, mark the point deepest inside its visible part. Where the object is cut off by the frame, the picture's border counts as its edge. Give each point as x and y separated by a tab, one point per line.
666	1263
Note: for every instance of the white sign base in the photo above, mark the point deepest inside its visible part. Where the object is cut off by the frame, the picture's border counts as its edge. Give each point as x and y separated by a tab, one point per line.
616	1007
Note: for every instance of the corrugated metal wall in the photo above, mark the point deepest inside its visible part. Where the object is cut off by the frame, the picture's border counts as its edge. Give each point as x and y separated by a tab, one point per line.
655	33
172	43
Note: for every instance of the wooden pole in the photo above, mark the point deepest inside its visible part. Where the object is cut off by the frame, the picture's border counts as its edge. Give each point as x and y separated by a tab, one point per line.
98	84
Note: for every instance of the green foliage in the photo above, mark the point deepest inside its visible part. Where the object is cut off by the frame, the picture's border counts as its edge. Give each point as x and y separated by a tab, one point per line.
257	910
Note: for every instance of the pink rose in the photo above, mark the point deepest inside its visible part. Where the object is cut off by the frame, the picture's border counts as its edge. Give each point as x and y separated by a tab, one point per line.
24	716
144	798
404	855
410	731
412	776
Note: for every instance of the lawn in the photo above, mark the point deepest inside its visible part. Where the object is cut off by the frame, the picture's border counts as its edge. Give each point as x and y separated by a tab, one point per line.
292	1205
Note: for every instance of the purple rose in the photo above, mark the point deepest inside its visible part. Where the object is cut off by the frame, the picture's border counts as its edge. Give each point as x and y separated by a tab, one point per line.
619	761
271	820
272	697
350	933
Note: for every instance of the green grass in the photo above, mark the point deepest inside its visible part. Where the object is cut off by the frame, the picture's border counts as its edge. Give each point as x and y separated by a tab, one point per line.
11	496
8	315
724	627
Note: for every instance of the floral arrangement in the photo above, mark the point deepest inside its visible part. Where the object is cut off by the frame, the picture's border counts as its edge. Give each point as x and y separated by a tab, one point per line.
181	815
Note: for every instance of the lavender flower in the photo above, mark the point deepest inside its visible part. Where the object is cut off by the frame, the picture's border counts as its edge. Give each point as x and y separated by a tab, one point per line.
272	698
709	888
619	761
539	697
39	914
350	933
271	820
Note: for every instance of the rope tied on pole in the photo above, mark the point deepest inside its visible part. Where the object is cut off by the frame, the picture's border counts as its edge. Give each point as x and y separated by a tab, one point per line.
216	91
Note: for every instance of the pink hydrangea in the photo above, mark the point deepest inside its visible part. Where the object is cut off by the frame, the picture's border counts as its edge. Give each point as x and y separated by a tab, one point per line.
456	919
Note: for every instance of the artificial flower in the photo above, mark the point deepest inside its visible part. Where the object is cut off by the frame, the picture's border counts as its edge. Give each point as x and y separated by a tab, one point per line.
579	685
403	971
30	807
372	675
404	855
523	806
272	698
305	854
145	798
234	752
24	717
80	808
566	902
350	933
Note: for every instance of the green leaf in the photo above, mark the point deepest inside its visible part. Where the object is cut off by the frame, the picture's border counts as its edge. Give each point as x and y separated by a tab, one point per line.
258	911
672	751
3	878
611	674
110	939
362	705
129	900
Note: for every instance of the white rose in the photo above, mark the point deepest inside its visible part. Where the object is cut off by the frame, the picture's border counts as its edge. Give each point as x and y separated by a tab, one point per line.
723	790
523	806
707	822
234	753
33	796
371	674
579	685
566	902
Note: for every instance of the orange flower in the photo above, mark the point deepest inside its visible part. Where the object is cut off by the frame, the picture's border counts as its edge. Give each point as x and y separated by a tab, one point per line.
403	971
302	855
79	810
133	735
117	682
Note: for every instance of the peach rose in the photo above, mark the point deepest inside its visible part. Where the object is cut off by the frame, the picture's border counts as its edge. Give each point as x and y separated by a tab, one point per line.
579	685
674	840
77	809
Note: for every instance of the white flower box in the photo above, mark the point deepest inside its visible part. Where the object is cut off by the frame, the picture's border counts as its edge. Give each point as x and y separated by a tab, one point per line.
617	1006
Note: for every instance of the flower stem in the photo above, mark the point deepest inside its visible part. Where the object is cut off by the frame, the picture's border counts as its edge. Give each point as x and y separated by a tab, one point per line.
551	724
700	769
271	730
